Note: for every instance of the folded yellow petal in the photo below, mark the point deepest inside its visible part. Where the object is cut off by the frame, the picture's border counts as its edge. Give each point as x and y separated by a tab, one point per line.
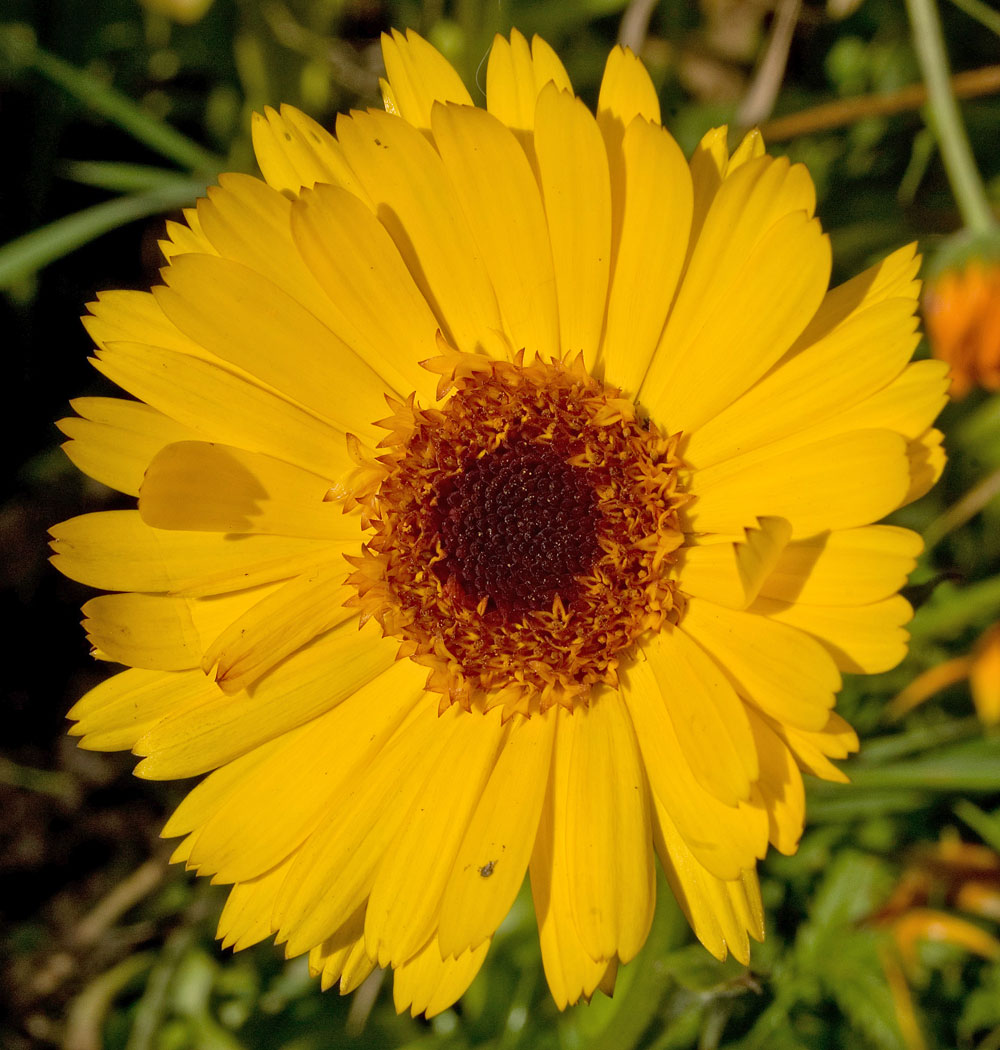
721	911
780	785
200	486
246	915
732	573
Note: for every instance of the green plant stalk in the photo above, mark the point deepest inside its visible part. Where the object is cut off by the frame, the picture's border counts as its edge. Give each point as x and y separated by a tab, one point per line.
980	12
966	183
23	256
116	107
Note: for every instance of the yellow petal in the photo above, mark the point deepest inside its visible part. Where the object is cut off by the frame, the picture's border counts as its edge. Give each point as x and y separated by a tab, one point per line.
336	868
135	317
764	202
925	685
813	750
863	639
721	911
732	573
856	360
278	625
428	982
493	858
499	197
329	959
186	236
212	402
570	971
576	189
246	320
220	727
626	90
708	717
144	630
608	836
412	197
116	550
295	153
708	168
984	677
515	77
725	839
650	245
114	714
893	277
718	339
405	900
217	488
780	785
787	674
246	915
419	76
845	567
838	482
927	459
378	310
253	813
115	439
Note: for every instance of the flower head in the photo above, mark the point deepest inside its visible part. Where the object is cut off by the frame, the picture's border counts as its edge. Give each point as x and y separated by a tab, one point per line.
962	310
576	432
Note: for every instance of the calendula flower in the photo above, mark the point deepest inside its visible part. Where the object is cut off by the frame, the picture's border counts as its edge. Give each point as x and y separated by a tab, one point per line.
981	667
962	310
602	454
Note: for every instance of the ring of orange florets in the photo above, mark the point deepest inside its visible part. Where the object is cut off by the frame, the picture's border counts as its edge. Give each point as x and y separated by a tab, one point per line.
555	655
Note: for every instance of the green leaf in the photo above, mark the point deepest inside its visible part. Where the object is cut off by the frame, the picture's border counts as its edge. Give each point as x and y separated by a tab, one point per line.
116	177
121	110
23	256
985	825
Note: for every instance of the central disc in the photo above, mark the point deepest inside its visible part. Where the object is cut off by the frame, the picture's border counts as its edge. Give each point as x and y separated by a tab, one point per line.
517	525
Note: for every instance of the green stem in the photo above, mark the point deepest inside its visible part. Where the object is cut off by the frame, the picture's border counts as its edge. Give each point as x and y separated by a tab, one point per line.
981	13
956	152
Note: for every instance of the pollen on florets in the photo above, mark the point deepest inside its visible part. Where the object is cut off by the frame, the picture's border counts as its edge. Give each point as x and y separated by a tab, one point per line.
522	534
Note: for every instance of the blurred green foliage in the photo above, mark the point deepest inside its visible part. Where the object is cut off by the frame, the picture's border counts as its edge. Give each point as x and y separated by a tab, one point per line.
118	114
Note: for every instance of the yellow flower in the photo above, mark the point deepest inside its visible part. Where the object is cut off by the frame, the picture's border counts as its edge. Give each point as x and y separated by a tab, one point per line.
610	544
962	310
981	667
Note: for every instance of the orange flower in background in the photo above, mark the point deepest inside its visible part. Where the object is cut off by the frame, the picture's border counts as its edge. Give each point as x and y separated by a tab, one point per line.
982	668
962	311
